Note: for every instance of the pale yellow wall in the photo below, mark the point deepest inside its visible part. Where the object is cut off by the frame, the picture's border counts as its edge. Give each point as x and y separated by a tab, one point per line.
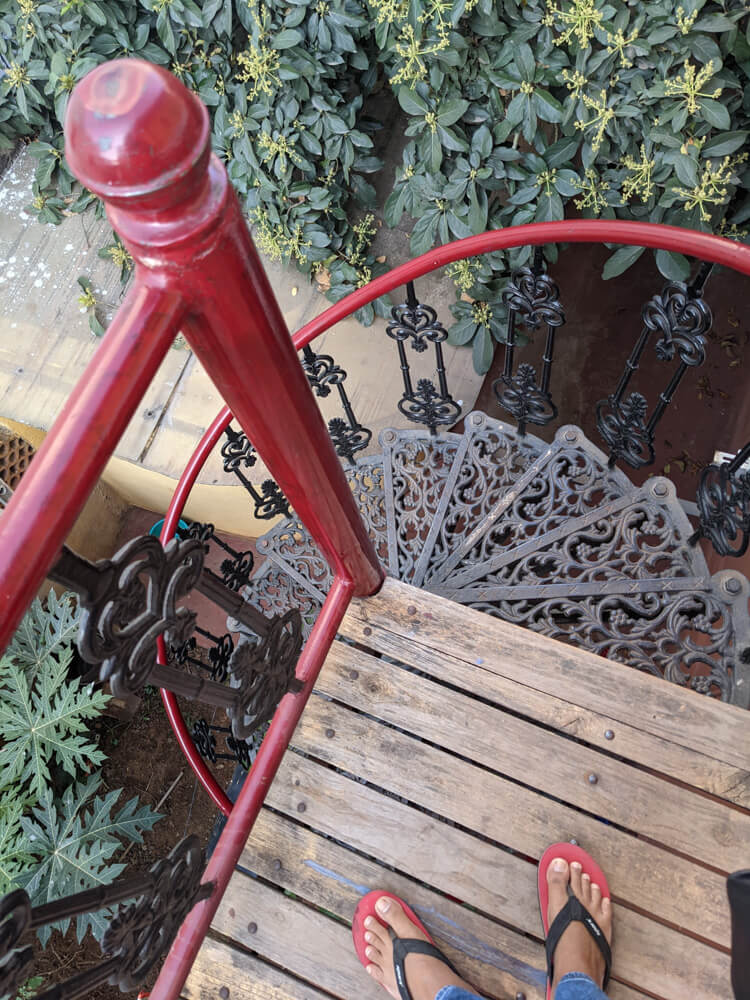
124	483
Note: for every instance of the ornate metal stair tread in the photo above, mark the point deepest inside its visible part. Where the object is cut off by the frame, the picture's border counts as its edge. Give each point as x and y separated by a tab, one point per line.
542	535
567	478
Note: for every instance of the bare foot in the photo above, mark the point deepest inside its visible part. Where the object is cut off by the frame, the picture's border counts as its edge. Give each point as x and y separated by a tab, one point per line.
425	975
577	951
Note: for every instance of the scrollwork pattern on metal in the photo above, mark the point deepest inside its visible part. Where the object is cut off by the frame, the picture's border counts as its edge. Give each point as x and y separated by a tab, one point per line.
724	506
533	299
263	672
680	319
654	632
322	371
348	438
142	931
348	435
622	424
16	958
135	603
417	323
239	454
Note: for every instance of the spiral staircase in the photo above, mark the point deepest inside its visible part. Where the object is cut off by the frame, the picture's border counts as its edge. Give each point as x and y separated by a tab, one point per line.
545	536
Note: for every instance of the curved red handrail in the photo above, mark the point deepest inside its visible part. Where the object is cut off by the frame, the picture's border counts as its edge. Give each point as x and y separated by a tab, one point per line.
717	249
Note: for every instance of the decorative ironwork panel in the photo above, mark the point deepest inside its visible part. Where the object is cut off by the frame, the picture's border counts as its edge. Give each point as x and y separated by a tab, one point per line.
237	569
263	672
238	454
416	470
290	544
569	479
274	592
134	601
628	542
241	751
678	319
417	323
724	505
490	458
322	371
348	435
366	480
687	638
533	299
139	932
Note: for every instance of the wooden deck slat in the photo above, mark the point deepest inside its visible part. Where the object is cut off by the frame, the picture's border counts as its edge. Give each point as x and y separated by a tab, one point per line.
702	726
517	693
245	976
448	785
496	960
672	888
650	956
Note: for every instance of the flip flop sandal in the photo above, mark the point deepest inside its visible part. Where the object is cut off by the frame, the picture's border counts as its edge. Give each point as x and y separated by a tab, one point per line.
401	946
573	909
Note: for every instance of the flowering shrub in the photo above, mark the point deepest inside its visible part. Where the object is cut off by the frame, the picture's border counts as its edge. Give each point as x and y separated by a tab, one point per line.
516	111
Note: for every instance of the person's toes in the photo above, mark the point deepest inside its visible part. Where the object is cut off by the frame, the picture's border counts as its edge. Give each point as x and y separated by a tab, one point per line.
606	921
558	875
586	889
374	955
378	933
376	972
393	914
576	882
596	896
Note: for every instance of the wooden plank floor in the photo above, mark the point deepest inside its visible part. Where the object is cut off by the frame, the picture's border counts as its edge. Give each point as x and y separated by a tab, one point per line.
442	753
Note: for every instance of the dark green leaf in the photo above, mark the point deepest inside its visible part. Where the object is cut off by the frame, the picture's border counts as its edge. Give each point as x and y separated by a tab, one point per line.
620	261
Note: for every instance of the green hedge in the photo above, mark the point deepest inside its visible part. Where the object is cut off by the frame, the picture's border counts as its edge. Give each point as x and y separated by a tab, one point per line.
514	111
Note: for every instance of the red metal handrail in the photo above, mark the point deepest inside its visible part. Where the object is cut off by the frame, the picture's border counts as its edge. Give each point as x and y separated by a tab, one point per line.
140	140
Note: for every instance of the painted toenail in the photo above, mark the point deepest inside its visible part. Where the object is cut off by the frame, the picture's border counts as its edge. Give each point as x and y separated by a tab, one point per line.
369	952
576	865
368	938
369	922
558	865
594	885
585	876
383	905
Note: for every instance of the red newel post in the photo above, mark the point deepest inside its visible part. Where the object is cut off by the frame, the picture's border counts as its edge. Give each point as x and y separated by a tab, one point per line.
141	140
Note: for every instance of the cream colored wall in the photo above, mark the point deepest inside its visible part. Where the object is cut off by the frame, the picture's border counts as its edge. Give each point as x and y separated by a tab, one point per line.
124	483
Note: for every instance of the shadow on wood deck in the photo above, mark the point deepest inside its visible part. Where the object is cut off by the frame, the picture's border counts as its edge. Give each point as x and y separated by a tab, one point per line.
445	750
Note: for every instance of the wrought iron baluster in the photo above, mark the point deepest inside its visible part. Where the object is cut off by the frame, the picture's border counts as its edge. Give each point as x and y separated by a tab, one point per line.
205	743
682	318
533	298
139	933
238	454
418	323
349	436
219	654
130	600
236	571
724	506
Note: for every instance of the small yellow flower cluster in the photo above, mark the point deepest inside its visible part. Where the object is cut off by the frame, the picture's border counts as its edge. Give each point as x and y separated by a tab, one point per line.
617	45
16	75
462	272
575	82
712	187
689	85
260	65
527	88
390	11
413	53
481	313
592	188
356	254
120	256
685	21
639	182
87	300
581	19
603	115
237	121
546	180
279	146
273	241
